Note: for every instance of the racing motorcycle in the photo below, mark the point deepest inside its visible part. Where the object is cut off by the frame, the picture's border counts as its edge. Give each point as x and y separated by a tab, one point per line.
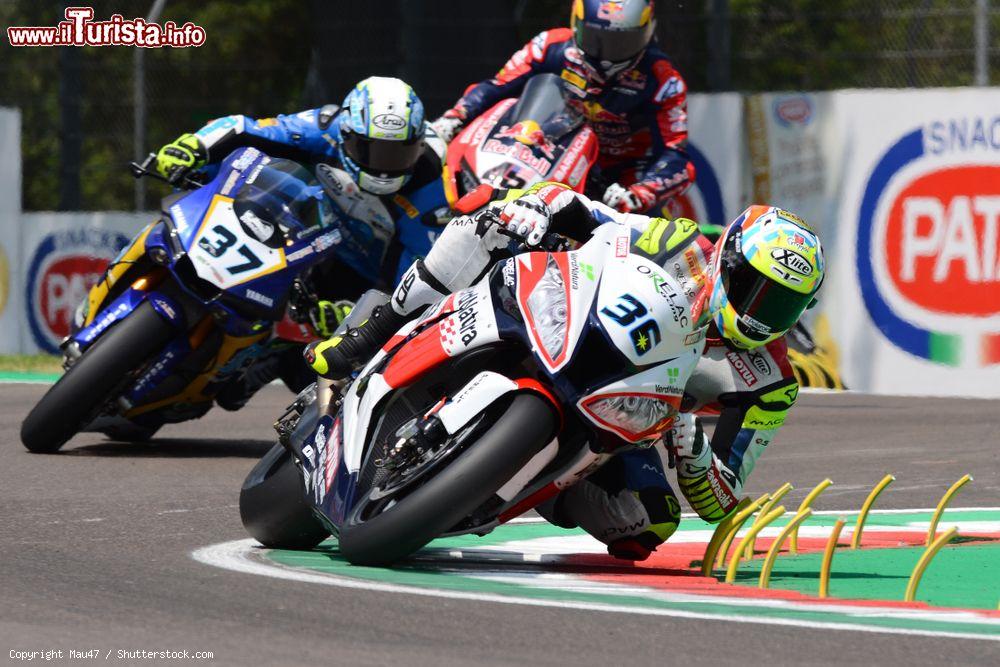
523	141
500	396
192	302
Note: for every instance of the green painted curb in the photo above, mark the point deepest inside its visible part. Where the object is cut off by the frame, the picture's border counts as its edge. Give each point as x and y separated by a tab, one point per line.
963	576
28	377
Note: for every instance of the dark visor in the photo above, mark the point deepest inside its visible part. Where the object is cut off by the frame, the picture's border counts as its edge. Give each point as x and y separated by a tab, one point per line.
612	45
757	297
382	156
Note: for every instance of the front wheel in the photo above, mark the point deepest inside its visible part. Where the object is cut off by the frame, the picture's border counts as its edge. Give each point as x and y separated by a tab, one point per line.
273	505
90	382
524	428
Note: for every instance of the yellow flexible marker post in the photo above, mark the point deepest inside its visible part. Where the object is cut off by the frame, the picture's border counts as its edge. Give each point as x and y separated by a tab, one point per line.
869	501
737	524
807	504
925	559
778	494
772	553
721	531
734	562
945	499
831	546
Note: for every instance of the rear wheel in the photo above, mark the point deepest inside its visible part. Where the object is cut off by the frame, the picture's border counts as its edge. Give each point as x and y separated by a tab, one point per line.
385	535
273	505
91	382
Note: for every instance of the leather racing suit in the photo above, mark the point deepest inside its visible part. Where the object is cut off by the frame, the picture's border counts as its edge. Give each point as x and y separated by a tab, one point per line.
386	233
313	136
639	114
628	503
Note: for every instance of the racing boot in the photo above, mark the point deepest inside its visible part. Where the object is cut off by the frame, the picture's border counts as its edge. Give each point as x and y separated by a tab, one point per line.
336	358
237	392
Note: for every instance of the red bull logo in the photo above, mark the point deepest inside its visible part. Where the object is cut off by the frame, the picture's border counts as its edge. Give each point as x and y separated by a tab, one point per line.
928	251
595	112
611	9
528	133
63	269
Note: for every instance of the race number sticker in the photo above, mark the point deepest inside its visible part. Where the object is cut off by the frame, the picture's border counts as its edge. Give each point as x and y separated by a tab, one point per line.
225	255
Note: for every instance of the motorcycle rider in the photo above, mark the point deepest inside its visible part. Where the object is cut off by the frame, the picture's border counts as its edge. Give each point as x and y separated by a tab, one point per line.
379	137
746	292
621	82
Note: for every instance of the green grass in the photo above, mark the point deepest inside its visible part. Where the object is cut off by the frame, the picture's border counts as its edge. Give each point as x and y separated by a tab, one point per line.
30	363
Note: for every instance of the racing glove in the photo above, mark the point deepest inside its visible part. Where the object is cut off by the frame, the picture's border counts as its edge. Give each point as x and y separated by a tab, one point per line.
710	487
446	127
180	157
633	199
530	214
325	316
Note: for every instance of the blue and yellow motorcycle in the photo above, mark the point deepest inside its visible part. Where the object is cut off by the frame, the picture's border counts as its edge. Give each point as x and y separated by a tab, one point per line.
193	301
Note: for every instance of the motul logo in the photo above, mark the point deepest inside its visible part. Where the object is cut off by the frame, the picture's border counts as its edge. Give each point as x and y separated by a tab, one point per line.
942	241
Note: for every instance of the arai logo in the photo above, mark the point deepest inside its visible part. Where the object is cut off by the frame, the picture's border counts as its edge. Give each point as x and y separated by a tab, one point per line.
61	272
928	254
389	121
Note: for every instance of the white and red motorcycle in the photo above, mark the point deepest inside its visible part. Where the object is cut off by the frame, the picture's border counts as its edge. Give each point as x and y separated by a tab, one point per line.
522	141
502	395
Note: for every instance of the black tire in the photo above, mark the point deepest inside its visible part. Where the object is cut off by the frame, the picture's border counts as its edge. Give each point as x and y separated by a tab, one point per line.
273	506
518	434
90	382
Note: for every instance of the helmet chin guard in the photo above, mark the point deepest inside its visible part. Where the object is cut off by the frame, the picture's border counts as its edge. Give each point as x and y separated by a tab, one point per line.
380	186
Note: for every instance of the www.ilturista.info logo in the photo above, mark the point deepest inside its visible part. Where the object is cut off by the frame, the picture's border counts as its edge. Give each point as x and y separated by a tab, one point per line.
79	29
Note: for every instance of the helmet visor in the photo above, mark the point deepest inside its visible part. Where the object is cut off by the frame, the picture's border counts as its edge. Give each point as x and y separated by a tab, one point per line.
765	306
612	45
384	157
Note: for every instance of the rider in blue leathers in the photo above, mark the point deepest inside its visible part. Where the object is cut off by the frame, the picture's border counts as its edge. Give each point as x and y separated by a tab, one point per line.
407	181
390	161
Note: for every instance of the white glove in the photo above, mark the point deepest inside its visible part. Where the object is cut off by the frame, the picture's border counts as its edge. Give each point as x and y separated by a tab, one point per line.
633	199
446	127
690	447
527	216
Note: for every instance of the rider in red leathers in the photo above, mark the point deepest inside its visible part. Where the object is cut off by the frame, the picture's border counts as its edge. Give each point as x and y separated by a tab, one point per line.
617	77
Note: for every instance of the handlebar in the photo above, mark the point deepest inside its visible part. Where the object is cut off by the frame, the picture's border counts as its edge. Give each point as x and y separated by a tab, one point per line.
140	170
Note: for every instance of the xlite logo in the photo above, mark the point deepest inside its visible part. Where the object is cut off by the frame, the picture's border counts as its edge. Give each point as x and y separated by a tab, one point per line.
792	261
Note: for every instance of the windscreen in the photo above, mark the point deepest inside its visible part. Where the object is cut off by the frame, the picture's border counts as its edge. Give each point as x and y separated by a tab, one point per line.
544	102
286	193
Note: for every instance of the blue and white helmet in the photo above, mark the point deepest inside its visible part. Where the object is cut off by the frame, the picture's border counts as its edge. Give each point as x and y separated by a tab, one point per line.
382	134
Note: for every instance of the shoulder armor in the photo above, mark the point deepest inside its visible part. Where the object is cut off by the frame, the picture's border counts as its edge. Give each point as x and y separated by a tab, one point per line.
326	114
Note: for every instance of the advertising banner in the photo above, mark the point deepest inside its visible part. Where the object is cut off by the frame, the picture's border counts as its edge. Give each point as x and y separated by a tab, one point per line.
11	306
64	255
914	293
718	152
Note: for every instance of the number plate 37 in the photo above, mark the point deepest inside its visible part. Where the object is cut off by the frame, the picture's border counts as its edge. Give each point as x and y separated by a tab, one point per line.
224	254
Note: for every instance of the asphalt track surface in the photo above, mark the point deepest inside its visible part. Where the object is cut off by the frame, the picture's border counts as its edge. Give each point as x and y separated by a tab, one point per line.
95	548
